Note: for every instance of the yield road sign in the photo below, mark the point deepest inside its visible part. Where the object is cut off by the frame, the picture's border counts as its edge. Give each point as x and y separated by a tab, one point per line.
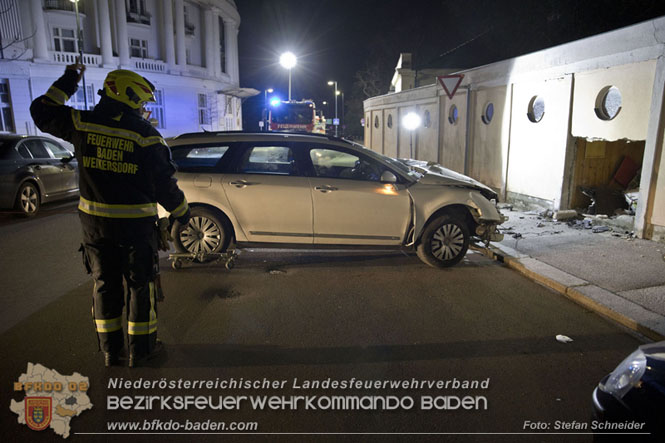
450	83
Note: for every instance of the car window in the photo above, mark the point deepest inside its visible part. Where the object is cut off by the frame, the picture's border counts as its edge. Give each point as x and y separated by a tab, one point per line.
332	163
23	151
57	150
268	160
37	149
198	158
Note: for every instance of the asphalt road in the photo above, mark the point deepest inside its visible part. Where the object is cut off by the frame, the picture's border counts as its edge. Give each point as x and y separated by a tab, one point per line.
291	317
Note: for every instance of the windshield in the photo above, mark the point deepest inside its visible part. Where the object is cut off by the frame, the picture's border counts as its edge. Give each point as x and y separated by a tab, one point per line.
397	164
293	113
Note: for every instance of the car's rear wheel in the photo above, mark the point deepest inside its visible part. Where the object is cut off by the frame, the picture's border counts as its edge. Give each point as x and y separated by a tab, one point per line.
204	234
27	200
444	242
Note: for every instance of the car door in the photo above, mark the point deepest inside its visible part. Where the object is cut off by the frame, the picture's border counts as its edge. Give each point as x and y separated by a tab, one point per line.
45	168
269	196
351	204
68	169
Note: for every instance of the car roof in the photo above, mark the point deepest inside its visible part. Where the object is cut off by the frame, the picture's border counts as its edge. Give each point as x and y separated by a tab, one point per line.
250	136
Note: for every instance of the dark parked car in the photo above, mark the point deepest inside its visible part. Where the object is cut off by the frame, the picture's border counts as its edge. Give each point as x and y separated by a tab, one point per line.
35	170
632	397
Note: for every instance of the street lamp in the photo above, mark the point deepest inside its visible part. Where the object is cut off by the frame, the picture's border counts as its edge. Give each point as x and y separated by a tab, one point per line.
265	107
288	60
80	44
342	120
330	83
411	122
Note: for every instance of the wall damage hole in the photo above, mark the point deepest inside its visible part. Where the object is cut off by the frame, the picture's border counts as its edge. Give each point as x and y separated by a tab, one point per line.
453	115
488	114
536	109
608	103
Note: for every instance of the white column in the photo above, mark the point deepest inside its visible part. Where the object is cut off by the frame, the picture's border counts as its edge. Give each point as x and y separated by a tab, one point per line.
215	44
231	49
105	43
40	47
123	40
180	52
209	33
169	42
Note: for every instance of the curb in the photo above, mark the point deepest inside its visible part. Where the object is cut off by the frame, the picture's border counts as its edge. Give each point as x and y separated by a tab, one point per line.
601	301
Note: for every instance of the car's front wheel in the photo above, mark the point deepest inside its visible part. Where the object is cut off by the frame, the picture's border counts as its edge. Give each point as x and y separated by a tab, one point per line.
444	242
204	234
27	200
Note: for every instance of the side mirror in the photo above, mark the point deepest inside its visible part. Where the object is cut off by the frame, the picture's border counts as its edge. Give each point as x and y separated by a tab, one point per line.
66	160
388	177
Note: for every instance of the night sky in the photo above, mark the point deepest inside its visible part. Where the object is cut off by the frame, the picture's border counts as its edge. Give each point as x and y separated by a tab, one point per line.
335	39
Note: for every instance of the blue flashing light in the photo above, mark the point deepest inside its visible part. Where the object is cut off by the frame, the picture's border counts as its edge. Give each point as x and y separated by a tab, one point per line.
275	101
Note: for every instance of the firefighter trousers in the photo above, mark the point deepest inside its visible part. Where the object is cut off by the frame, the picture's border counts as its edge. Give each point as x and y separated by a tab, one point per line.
123	275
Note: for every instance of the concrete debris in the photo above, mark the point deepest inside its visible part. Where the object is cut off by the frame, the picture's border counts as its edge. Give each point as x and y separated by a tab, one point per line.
517	235
540	225
565	214
547	213
598	229
563	338
506	206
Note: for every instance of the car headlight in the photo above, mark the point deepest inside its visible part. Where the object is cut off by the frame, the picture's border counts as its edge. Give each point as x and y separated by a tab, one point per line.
626	376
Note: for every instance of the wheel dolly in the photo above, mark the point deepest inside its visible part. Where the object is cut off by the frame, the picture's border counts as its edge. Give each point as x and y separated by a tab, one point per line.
228	258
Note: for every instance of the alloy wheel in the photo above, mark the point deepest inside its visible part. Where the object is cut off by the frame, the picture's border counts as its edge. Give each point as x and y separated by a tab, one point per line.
447	242
202	235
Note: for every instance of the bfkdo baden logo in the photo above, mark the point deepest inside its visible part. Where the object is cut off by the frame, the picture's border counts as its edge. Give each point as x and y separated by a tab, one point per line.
38	412
51	399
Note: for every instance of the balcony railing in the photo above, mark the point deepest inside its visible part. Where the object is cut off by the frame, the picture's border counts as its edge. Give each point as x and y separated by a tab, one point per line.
149	65
71	57
63	5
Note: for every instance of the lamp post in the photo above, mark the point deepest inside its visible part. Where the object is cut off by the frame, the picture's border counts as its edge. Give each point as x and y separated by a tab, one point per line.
411	122
342	119
330	83
288	60
79	35
265	107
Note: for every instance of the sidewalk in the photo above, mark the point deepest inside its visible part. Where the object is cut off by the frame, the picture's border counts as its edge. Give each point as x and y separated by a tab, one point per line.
611	272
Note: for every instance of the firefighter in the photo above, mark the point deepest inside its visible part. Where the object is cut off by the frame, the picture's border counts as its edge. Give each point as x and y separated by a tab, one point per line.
125	170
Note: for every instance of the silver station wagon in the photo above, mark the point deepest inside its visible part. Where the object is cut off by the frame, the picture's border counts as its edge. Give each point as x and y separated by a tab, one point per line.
293	190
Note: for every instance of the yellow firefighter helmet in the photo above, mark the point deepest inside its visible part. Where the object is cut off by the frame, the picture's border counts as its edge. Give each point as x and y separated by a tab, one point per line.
129	88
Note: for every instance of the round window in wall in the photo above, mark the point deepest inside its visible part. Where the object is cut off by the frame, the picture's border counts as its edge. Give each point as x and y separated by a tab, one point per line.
488	114
608	103
376	121
427	120
536	109
453	114
390	121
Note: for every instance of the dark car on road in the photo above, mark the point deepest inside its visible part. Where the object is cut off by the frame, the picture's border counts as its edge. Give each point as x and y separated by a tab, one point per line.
632	397
35	170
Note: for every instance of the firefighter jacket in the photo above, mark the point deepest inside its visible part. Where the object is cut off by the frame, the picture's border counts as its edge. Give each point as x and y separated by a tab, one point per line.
125	167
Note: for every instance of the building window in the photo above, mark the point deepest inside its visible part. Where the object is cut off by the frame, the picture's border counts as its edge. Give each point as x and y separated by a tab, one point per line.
453	115
138	48
156	109
536	109
222	45
64	5
204	110
488	114
376	121
427	120
6	118
608	103
390	121
137	12
64	40
77	100
189	27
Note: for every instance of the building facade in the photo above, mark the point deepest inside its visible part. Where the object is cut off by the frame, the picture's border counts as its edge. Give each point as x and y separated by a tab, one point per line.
542	127
187	49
